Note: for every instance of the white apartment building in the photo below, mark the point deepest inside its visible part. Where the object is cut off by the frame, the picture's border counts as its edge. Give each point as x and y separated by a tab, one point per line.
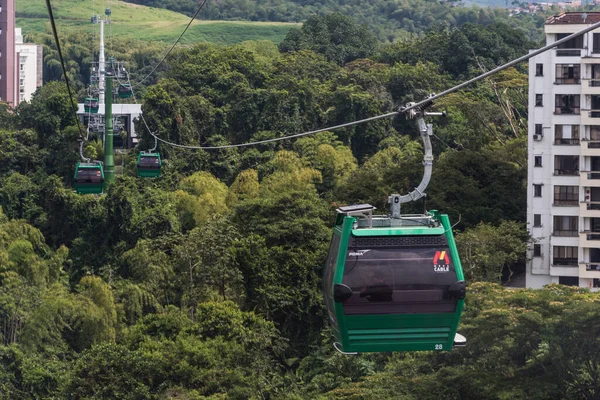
563	189
29	68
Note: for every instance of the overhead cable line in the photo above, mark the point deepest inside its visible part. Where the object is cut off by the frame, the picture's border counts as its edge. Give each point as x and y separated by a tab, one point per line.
402	110
174	44
62	63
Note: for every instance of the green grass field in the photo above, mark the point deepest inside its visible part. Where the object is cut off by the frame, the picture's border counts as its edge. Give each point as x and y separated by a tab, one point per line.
146	23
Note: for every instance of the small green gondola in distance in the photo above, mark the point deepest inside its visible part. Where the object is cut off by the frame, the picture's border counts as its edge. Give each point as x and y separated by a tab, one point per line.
125	91
393	284
91	105
88	178
148	165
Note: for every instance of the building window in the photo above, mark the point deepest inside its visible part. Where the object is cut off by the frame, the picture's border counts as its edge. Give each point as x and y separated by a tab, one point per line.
566	225
568	73
596	281
539	100
566	165
537	250
575	43
537	190
537	220
566	134
539	69
539	129
566	104
537	161
566	195
568	280
596	43
565	255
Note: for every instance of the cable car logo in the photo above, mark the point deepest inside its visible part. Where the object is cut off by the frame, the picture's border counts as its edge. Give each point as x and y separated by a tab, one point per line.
357	253
441	261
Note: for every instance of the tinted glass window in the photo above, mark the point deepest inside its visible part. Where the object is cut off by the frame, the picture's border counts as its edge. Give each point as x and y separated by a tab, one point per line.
399	280
89	175
149	162
329	274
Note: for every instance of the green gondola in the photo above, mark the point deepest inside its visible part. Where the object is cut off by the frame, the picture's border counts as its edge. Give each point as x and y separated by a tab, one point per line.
91	105
125	91
393	284
148	165
88	178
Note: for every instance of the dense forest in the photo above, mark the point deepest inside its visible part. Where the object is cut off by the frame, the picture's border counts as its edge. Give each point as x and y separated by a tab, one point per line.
206	283
389	19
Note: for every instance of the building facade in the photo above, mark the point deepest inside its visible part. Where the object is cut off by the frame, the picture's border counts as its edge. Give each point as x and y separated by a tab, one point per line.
30	68
563	190
8	79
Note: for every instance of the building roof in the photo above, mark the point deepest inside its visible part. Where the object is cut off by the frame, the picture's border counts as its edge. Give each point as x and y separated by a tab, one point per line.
566	18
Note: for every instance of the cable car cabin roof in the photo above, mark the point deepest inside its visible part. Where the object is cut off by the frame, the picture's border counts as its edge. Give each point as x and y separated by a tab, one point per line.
398	231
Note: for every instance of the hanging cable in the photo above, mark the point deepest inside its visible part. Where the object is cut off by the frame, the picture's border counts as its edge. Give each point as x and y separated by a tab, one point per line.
406	110
174	44
62	63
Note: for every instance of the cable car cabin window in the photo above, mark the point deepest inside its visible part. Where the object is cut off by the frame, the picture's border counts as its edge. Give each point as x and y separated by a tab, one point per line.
149	162
329	274
89	175
399	280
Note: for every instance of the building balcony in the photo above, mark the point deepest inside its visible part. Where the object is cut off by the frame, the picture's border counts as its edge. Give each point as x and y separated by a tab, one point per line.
590	147
565	233
564	270
589	178
589	209
590	116
589	239
589	269
565	203
590	86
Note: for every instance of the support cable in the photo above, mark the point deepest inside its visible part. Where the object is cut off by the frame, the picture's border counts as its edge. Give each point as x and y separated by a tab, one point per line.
174	44
416	107
62	63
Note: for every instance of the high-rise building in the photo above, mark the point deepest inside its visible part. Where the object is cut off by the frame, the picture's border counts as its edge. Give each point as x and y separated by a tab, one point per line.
8	79
563	189
30	68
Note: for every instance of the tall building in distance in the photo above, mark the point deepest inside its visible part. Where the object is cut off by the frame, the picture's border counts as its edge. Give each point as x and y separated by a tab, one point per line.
563	190
20	63
30	67
8	79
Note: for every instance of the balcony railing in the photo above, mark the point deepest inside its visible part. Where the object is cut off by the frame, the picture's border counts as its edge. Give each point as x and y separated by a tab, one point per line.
594	83
593	236
569	110
571	172
592	266
565	262
567	81
565	233
568	52
593	205
560	141
559	202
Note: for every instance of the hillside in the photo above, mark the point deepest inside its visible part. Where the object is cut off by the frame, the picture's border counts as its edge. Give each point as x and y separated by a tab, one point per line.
148	23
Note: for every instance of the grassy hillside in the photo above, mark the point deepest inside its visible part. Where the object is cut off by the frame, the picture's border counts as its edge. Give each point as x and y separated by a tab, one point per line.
141	22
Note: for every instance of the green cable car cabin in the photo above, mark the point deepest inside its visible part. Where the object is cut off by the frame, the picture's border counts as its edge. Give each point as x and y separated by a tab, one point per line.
148	165
393	283
88	178
91	105
125	91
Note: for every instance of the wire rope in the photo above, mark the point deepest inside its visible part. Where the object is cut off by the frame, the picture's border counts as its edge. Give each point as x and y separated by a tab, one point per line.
62	63
174	44
406	110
